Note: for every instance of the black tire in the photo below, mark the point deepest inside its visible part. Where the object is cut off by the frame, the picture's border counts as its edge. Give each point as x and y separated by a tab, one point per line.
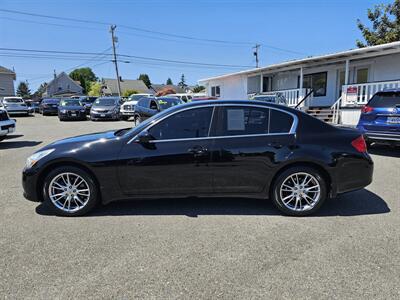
94	195
276	197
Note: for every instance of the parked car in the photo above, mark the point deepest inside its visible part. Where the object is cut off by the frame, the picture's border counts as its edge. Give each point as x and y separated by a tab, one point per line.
276	98
128	107
184	97
33	106
204	98
71	109
380	118
107	108
7	125
16	106
148	107
49	106
87	101
211	149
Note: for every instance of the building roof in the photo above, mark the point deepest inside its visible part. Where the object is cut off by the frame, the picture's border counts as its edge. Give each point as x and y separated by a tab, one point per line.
157	87
4	70
372	51
63	74
110	86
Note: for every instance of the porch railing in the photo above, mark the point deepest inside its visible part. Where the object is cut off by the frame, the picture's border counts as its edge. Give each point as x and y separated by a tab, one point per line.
292	96
359	94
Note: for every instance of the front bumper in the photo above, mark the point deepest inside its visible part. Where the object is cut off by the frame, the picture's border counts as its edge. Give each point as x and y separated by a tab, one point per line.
18	111
29	185
72	115
104	116
50	111
129	113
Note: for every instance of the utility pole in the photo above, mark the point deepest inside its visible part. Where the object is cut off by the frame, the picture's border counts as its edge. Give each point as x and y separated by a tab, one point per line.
114	40
255	53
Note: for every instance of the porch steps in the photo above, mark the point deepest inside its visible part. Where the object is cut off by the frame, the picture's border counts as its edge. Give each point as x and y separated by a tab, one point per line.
322	113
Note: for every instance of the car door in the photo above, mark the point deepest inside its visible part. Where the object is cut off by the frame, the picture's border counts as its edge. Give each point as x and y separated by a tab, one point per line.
249	142
174	161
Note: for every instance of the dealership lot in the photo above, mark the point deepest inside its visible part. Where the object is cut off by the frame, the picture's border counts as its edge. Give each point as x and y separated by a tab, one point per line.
190	248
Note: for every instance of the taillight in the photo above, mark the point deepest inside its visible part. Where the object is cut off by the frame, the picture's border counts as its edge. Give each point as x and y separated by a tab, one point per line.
367	109
359	144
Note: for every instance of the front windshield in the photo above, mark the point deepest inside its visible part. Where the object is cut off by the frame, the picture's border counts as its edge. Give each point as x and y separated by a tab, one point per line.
13	100
71	102
105	102
167	103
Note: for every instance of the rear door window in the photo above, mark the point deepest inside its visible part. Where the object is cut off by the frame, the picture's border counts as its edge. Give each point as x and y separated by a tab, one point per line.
385	99
242	121
280	122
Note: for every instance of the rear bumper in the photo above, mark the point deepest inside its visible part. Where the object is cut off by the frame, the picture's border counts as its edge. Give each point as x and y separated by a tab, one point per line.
7	127
382	136
354	174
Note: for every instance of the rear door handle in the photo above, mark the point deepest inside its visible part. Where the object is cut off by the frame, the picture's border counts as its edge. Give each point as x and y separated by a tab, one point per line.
275	144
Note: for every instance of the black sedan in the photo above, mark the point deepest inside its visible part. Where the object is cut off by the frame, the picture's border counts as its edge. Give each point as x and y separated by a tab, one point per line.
71	109
206	148
149	106
49	106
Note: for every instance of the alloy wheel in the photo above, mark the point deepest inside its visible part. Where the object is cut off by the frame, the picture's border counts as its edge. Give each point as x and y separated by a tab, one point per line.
69	192
300	192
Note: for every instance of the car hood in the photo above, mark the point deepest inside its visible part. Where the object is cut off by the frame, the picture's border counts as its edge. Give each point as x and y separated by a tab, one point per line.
133	102
104	107
84	140
71	107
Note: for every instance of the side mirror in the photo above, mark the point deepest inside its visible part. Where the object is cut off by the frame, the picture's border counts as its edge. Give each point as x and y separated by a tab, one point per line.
143	137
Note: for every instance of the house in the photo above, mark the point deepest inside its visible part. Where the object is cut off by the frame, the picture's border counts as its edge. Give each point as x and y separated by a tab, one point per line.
339	82
63	86
155	88
7	78
110	86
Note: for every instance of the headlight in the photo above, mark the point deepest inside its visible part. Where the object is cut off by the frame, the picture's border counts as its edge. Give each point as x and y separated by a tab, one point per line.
82	110
34	158
63	111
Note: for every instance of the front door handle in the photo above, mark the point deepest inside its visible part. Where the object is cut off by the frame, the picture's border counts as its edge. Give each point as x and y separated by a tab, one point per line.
198	150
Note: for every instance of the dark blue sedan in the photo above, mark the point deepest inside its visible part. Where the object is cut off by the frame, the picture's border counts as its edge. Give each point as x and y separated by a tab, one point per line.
380	118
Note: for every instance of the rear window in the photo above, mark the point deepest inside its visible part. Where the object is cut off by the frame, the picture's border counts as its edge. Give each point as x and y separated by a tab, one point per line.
385	99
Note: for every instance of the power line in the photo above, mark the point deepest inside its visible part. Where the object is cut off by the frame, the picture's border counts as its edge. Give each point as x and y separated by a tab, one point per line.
184	37
126	56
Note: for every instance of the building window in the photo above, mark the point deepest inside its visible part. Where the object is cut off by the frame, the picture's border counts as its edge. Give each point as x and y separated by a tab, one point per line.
215	91
316	82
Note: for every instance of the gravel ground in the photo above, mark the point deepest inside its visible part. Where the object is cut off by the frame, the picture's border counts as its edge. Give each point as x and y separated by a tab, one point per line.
195	248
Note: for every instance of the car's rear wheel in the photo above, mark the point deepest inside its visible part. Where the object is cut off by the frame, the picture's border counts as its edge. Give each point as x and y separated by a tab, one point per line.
299	191
70	191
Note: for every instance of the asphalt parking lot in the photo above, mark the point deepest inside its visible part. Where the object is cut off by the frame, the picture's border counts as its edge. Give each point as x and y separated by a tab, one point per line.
195	248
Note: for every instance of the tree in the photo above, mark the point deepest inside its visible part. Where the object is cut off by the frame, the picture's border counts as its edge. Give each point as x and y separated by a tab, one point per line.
198	89
182	83
95	88
85	76
23	90
385	19
40	91
127	93
146	79
169	81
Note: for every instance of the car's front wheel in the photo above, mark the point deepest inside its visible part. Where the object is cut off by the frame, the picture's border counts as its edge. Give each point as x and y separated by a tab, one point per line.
299	191
70	191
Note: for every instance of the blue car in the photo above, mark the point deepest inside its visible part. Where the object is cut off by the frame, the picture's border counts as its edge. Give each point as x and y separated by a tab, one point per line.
380	118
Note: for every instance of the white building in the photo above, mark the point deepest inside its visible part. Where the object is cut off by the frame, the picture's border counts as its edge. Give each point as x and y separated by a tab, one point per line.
340	82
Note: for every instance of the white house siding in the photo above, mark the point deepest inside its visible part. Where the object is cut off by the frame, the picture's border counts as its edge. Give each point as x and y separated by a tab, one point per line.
386	68
231	88
7	85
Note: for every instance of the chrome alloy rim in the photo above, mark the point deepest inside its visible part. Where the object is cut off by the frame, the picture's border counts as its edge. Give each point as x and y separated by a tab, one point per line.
300	192
69	192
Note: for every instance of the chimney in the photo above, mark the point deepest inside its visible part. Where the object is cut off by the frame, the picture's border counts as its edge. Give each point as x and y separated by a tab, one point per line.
55	74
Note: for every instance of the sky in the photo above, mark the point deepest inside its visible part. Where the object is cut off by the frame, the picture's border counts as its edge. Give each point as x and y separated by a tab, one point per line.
220	32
